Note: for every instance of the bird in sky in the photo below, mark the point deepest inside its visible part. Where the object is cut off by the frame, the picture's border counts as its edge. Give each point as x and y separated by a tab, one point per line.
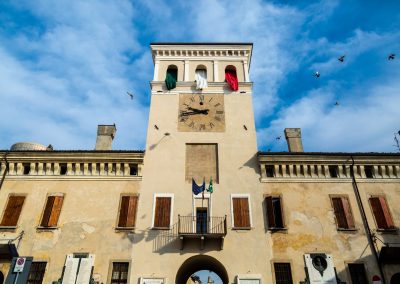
317	74
341	58
278	138
131	95
391	56
337	104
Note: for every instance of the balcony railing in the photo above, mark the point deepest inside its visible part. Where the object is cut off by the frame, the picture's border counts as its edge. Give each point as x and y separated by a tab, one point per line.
201	228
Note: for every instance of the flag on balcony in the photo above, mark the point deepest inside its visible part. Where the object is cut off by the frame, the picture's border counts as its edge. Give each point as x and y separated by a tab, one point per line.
210	188
196	188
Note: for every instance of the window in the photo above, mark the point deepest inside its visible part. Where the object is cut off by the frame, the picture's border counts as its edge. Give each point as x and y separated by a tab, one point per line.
241	212
201	162
162	211
119	273
269	170
127	211
36	273
357	273
63	169
283	273
343	214
249	279
381	213
171	77
231	77
52	211
27	169
78	268
13	210
369	171
133	169
333	171
274	212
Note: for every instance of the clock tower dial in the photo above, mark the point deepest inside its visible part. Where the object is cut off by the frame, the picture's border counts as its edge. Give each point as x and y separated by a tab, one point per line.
201	113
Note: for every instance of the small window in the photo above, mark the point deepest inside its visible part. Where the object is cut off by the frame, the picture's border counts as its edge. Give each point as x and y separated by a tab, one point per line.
13	211
369	171
231	77
171	77
241	213
36	273
333	171
120	273
274	212
269	170
357	273
162	212
127	211
381	213
201	77
63	169
27	169
133	169
52	211
283	273
343	214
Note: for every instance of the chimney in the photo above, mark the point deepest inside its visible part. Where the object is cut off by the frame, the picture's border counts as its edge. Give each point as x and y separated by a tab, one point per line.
293	138
105	136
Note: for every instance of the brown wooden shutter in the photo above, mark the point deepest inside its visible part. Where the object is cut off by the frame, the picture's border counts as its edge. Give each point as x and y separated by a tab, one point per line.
347	212
13	210
162	212
386	213
52	211
339	212
241	213
131	213
123	211
378	213
270	212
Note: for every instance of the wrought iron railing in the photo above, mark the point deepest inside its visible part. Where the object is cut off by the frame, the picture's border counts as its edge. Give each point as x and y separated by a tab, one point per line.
194	225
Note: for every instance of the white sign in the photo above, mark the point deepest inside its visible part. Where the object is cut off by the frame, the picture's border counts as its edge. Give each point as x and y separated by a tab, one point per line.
19	264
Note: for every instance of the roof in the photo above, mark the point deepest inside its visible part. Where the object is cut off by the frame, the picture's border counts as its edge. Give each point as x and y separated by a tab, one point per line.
329	153
201	43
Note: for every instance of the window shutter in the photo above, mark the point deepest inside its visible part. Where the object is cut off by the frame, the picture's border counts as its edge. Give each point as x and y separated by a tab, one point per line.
339	212
270	212
378	212
52	211
123	211
386	213
241	214
347	212
85	269
162	212
13	210
127	214
71	268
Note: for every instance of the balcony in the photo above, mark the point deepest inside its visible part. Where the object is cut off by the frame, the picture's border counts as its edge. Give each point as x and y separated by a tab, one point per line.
202	228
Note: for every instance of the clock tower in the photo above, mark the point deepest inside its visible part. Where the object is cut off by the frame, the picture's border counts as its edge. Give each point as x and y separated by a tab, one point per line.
201	128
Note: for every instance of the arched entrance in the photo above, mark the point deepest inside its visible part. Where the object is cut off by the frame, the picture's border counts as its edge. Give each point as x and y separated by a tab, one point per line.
395	278
200	262
1	277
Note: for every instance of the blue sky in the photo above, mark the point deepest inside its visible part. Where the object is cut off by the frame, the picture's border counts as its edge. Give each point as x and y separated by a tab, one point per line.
65	67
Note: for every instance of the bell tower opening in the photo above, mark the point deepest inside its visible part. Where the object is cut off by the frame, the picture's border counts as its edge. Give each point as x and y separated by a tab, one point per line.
200	265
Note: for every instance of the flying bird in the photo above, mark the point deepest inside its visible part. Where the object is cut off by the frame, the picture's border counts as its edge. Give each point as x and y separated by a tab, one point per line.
337	104
391	56
131	95
317	74
341	58
278	138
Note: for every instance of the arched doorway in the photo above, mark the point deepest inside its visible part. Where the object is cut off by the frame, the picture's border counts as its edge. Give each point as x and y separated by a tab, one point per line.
200	262
395	278
1	277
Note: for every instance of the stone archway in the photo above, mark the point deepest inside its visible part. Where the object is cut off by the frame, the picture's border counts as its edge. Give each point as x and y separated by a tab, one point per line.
200	262
395	278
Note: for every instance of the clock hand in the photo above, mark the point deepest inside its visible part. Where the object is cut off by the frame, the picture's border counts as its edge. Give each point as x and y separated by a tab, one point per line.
204	111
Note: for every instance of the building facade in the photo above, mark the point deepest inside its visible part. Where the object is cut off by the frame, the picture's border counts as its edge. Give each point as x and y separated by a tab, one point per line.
108	216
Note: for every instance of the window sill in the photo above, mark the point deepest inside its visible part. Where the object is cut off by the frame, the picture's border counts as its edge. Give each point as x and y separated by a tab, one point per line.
125	229
8	228
277	229
387	231
161	228
350	230
241	228
43	229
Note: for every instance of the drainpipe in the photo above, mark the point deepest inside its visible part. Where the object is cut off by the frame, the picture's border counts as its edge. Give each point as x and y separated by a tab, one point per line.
5	170
365	220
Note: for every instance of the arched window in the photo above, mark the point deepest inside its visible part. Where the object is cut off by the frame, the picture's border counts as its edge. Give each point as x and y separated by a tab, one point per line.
201	77
231	77
171	77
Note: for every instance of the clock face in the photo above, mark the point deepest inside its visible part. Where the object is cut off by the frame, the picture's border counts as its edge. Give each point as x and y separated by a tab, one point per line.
202	113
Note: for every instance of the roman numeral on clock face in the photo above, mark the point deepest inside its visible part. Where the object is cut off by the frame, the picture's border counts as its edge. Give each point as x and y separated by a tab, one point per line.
202	127
211	125
218	104
220	112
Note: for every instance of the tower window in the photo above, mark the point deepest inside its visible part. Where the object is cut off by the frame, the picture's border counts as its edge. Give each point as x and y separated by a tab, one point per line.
171	77
201	77
231	77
